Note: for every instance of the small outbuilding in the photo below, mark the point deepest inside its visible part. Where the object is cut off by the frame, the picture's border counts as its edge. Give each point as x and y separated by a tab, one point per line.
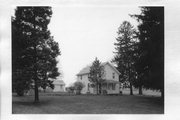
59	86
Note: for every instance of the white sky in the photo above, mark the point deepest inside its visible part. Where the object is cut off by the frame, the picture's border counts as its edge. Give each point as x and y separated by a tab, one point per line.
84	33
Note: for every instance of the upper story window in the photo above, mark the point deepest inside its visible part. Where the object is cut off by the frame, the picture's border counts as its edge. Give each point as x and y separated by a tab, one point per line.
113	75
81	77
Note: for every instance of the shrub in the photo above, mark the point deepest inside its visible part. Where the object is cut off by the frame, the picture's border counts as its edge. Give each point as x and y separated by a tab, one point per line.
78	87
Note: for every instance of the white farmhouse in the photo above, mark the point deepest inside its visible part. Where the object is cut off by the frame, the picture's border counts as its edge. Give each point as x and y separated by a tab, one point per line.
109	86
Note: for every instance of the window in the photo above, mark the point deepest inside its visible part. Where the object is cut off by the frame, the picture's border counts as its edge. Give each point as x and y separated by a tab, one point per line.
81	77
109	86
88	86
113	75
113	86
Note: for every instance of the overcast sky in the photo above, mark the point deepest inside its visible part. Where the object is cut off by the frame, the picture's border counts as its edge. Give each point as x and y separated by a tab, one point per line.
84	33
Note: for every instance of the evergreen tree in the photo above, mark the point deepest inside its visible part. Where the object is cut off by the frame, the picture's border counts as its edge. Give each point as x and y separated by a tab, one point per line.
34	50
96	75
125	53
151	47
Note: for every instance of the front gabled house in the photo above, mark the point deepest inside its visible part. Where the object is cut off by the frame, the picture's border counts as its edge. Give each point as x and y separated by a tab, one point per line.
111	85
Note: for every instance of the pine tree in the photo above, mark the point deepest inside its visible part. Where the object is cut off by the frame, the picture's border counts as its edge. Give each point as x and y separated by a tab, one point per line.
34	50
125	55
151	47
96	75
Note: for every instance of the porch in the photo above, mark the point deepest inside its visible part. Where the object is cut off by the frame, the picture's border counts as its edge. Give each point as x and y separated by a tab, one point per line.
110	87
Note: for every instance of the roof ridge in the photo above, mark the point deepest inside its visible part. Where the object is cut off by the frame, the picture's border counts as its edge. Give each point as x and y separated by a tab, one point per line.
86	69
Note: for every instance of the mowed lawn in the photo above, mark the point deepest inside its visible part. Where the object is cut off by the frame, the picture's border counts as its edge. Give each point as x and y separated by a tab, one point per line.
86	104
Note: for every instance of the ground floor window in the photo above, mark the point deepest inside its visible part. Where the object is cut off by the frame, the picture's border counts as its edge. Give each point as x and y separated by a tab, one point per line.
110	86
113	86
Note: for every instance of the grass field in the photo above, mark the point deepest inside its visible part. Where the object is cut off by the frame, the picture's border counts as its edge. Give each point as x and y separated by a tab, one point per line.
83	104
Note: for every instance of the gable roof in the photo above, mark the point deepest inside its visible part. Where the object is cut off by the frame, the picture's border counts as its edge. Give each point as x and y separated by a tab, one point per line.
113	68
58	82
86	69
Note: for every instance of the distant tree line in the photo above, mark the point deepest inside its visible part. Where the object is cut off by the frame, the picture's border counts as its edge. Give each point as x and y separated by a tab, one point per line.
139	54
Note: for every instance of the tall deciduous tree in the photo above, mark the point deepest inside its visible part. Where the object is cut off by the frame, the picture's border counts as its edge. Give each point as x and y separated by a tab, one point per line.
34	50
124	56
96	75
151	47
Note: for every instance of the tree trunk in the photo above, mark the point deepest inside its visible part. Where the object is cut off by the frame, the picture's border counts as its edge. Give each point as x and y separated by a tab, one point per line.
100	88
44	90
162	94
97	88
140	90
36	93
131	89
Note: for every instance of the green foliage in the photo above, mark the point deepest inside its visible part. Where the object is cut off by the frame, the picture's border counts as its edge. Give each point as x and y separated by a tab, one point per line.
33	48
96	74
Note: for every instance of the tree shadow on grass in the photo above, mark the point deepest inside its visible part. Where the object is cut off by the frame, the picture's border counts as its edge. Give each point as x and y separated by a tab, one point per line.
31	103
155	100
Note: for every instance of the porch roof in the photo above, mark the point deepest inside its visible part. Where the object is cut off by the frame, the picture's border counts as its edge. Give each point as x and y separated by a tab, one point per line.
110	81
58	82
